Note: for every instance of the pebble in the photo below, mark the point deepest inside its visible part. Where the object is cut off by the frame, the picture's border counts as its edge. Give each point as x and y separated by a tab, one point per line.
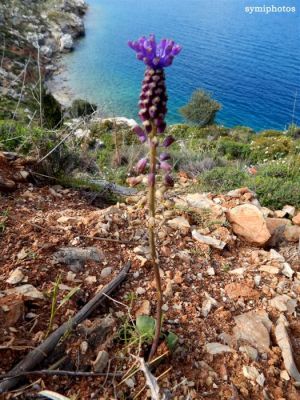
211	271
250	351
217	348
101	361
140	290
106	272
284	375
257	280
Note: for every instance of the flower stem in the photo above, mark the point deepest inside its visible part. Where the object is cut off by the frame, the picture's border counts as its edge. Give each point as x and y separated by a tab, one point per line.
153	247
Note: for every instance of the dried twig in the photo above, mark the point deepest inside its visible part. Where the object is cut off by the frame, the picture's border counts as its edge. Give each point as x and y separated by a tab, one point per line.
58	372
108	239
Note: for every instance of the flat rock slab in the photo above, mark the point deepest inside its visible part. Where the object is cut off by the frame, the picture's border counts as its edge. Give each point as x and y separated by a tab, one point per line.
211	241
217	348
254	328
76	257
283	342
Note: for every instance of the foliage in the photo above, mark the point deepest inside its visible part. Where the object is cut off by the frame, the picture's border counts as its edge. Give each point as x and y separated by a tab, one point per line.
232	149
82	108
271	147
15	136
52	112
201	109
276	182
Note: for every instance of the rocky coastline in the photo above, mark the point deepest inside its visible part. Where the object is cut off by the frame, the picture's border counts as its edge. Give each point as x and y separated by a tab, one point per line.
34	35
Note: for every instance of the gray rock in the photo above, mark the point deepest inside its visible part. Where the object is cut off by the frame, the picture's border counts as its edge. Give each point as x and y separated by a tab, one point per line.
217	348
283	342
283	303
106	272
101	361
66	42
211	241
253	327
76	257
250	351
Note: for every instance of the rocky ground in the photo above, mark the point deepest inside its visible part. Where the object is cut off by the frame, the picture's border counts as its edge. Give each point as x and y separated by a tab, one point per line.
231	282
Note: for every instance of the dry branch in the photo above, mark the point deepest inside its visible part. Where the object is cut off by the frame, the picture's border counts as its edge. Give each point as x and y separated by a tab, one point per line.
39	354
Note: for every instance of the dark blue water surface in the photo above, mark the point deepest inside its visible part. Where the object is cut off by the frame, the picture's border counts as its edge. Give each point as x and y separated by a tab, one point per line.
250	63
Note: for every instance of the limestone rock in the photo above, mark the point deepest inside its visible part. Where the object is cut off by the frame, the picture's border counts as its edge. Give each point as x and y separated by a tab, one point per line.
28	291
211	241
101	361
283	342
217	348
289	210
250	351
179	223
284	303
253	327
15	277
66	42
106	272
292	233
274	223
296	219
248	222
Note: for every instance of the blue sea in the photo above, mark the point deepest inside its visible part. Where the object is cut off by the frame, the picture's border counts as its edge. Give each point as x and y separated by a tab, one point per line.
249	62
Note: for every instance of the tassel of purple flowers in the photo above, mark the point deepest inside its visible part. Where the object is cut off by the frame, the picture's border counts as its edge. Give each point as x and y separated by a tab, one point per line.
153	110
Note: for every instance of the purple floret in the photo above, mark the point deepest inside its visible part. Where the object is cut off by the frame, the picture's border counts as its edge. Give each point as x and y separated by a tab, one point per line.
155	55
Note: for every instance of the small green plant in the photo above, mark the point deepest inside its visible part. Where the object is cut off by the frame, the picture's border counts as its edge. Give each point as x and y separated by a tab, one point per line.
54	305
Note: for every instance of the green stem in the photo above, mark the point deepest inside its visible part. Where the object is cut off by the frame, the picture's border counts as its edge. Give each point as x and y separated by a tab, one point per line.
153	249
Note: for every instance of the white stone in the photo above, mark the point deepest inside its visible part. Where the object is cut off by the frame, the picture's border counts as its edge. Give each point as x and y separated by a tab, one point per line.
287	270
101	361
27	291
106	272
140	290
15	277
66	42
250	351
216	243
290	210
208	304
283	342
217	348
284	303
211	271
274	255
179	223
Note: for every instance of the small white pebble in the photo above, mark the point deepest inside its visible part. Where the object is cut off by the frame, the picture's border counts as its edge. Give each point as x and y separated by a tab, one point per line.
140	290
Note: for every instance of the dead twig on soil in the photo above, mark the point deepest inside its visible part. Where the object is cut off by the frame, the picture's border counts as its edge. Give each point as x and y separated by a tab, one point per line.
58	372
108	239
40	353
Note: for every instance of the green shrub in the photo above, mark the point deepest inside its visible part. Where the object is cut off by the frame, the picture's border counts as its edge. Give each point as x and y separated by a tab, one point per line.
232	149
270	133
15	136
201	109
223	179
82	108
271	148
242	134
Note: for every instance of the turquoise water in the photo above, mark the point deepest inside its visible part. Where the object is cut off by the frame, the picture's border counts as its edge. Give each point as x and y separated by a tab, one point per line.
250	63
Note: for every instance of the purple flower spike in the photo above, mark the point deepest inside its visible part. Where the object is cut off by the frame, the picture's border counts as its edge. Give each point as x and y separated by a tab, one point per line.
168	141
141	165
164	156
168	181
155	55
165	166
141	134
